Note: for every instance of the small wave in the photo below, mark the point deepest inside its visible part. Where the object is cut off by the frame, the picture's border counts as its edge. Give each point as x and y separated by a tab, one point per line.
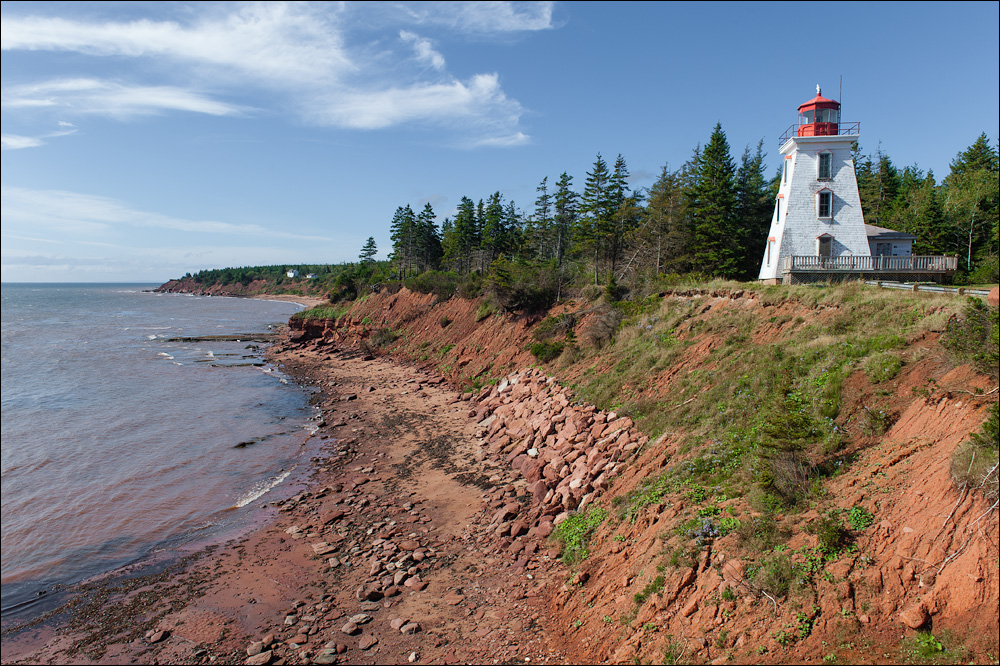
149	337
176	363
166	355
261	489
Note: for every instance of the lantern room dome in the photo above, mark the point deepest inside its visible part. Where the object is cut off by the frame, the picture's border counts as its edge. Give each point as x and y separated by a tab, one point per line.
819	116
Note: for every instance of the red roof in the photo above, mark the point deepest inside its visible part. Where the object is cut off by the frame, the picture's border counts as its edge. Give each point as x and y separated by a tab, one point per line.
819	101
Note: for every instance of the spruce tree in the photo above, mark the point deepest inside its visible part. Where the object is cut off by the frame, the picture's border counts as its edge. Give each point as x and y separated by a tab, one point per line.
538	230
929	223
428	245
369	251
404	239
754	204
595	213
712	203
665	236
566	209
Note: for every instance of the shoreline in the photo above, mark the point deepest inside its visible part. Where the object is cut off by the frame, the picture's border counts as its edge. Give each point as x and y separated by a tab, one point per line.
386	526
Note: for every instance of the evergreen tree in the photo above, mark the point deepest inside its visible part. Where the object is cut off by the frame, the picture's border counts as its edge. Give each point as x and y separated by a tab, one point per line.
878	187
624	214
596	212
566	209
980	156
369	251
494	242
404	239
972	201
754	205
664	234
428	245
538	231
466	236
929	223
712	203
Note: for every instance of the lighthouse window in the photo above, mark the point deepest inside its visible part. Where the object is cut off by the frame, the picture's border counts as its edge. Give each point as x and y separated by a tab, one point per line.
824	204
826	115
825	166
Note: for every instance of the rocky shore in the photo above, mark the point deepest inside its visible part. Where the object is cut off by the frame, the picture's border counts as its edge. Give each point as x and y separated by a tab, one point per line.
420	537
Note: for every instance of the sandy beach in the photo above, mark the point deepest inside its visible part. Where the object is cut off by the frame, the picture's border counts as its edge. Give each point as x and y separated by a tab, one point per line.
386	556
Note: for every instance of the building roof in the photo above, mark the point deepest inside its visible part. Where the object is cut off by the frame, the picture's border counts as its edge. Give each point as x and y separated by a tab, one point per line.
883	234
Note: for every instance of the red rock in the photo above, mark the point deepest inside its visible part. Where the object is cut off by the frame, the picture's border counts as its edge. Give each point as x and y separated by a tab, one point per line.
367	642
915	616
453	598
409	544
261	659
158	636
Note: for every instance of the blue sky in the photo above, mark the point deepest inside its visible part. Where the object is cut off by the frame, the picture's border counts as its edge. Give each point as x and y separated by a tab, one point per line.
145	140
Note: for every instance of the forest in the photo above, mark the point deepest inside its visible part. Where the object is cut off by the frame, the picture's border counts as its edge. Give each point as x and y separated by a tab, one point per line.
709	217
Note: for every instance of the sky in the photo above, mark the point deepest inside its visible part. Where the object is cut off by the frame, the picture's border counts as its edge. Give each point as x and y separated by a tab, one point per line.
145	140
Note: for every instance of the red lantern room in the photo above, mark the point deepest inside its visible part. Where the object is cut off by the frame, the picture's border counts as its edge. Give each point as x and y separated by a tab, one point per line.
819	116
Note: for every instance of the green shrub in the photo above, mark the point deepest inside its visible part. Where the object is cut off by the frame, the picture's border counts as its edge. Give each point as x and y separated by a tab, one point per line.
859	517
760	534
575	533
441	284
875	422
774	574
546	351
831	534
552	326
654	587
484	310
382	337
973	337
602	327
882	367
974	463
325	312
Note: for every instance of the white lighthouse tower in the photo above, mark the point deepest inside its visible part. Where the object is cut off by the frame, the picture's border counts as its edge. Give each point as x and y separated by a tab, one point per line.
817	225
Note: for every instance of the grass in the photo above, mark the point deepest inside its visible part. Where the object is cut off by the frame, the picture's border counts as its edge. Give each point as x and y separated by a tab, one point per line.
654	587
975	461
759	413
575	532
322	312
926	648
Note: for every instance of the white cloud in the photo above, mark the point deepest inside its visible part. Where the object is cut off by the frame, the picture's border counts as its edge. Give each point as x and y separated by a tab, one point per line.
424	49
484	17
299	55
278	41
502	141
111	99
16	142
479	98
86	214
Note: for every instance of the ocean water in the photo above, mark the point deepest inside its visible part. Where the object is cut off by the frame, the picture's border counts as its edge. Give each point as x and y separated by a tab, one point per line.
134	422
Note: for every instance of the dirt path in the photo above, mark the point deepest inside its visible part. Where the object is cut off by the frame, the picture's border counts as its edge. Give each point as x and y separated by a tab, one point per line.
388	557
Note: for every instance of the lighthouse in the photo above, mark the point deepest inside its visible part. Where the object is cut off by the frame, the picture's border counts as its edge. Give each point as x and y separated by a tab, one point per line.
817	226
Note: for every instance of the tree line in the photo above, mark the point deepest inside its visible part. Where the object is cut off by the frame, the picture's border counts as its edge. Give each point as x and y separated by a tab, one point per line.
710	216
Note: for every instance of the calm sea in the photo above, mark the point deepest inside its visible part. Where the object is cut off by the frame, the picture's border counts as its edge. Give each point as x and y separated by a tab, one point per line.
134	422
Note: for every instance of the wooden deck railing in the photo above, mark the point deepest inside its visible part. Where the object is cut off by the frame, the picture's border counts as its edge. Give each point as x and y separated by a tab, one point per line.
928	264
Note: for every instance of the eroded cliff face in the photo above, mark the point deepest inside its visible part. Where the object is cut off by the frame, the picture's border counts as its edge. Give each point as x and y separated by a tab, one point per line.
926	561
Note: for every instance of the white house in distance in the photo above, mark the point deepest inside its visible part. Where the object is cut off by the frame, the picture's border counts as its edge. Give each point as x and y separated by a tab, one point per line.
292	273
818	230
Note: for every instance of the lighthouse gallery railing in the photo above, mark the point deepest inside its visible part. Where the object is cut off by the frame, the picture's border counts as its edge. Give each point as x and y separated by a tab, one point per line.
930	264
841	129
